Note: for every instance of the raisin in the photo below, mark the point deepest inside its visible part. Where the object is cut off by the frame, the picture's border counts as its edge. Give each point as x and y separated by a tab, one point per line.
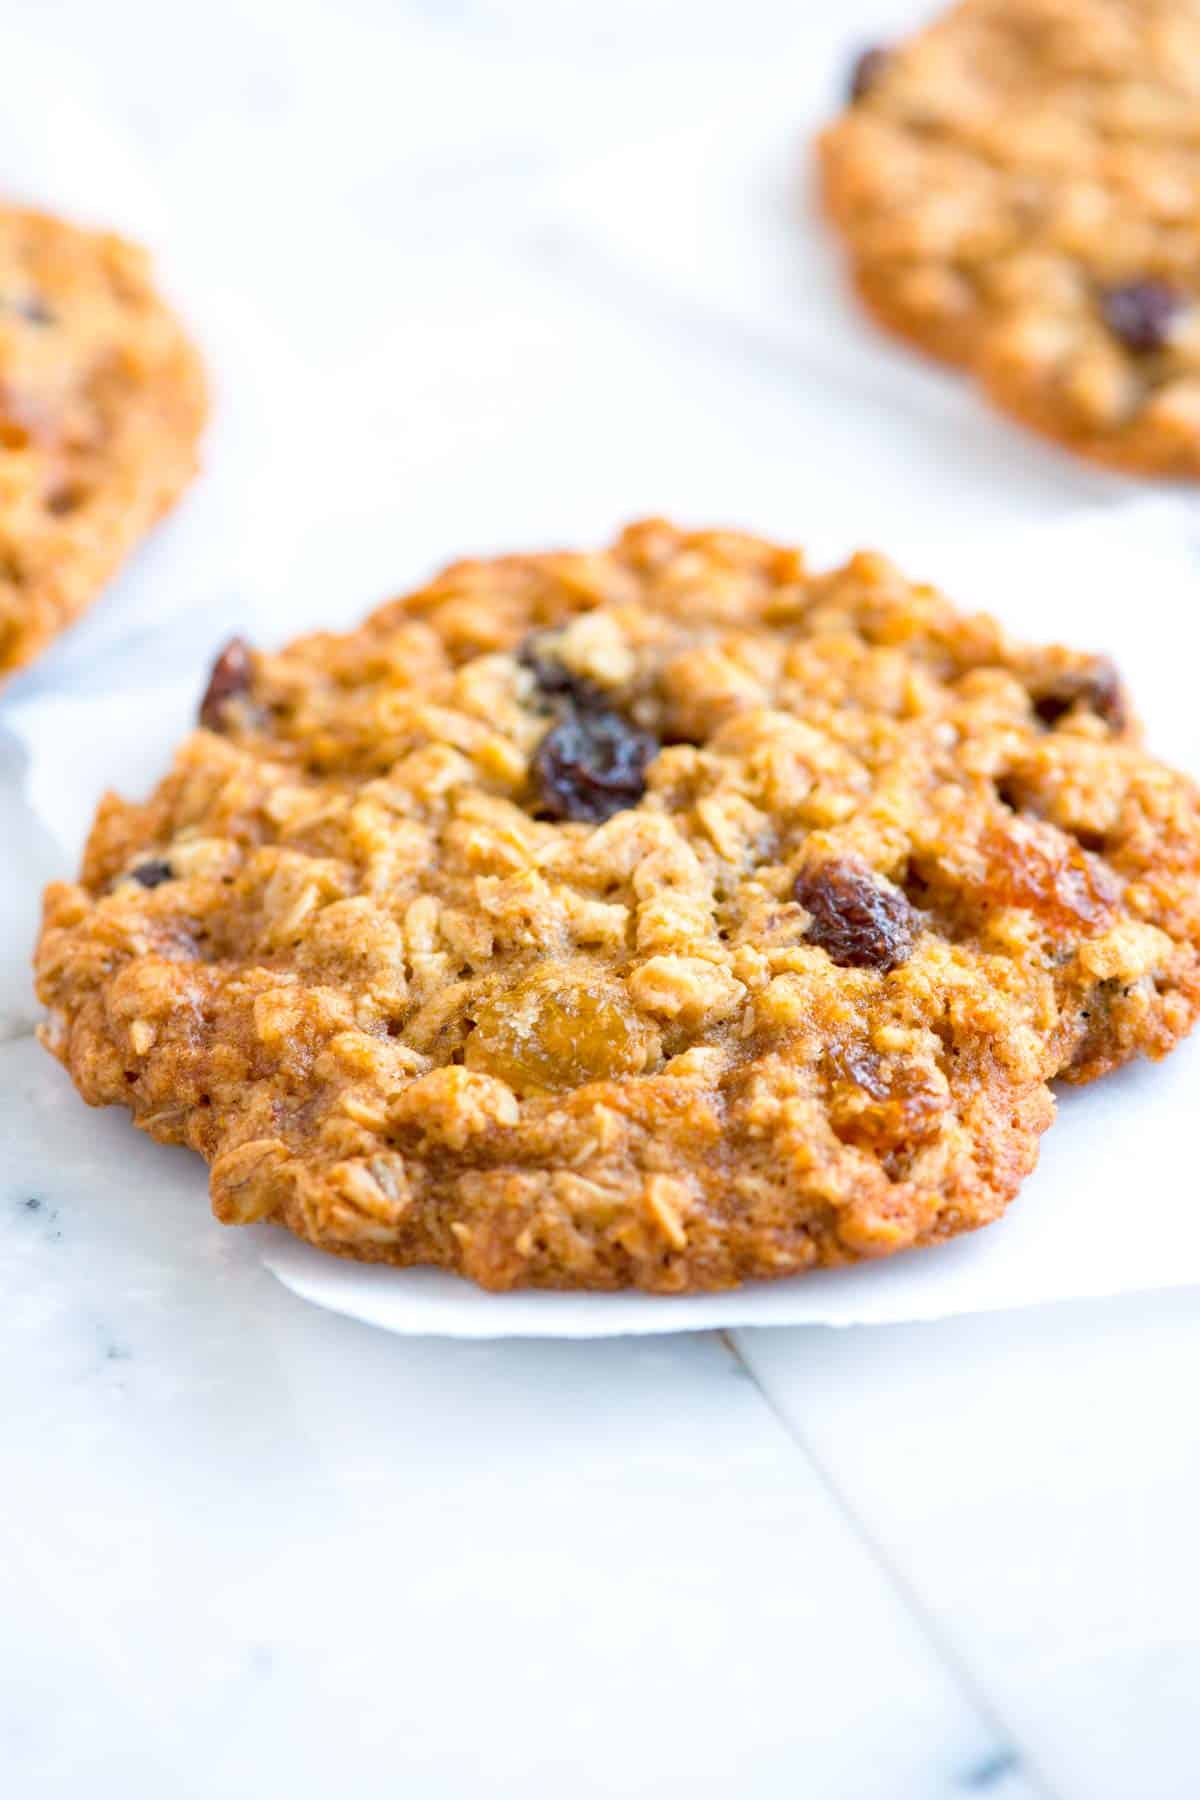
27	306
1096	687
863	1069
592	762
552	1029
1141	313
230	678
878	1112
62	501
866	70
1034	865
591	765
153	874
859	922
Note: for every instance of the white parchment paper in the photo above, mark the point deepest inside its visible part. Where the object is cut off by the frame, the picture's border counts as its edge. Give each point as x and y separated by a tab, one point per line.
1112	1206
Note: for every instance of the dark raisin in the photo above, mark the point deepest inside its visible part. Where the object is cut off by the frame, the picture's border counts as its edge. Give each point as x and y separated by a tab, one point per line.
30	307
230	678
866	70
1096	687
860	923
555	682
591	765
1141	313
153	874
62	501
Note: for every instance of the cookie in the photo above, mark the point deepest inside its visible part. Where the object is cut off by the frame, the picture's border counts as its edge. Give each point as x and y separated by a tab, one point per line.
663	917
1018	189
102	400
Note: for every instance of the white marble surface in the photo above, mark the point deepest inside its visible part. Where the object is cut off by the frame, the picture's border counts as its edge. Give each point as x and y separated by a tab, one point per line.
475	273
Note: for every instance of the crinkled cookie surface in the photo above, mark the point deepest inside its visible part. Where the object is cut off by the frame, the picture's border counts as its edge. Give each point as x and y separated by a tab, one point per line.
663	917
1018	189
102	400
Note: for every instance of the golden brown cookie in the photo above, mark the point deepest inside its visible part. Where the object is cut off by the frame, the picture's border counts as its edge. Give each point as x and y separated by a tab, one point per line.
102	400
1018	190
660	918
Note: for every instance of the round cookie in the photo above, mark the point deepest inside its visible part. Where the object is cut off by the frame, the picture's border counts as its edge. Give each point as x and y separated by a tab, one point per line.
663	917
102	400
1018	189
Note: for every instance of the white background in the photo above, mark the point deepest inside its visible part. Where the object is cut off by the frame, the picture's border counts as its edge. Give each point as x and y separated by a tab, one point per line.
472	275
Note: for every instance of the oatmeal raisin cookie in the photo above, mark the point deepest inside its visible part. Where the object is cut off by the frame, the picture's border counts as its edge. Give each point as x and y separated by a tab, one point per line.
662	917
1018	190
102	400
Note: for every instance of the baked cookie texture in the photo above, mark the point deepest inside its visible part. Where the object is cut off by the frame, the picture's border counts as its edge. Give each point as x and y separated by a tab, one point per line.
102	400
662	918
1018	190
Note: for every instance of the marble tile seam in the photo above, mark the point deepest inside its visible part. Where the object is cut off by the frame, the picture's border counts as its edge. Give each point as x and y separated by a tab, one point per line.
1011	1755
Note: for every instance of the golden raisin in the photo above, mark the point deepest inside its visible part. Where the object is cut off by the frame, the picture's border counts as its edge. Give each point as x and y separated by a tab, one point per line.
1035	866
877	1110
556	1030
